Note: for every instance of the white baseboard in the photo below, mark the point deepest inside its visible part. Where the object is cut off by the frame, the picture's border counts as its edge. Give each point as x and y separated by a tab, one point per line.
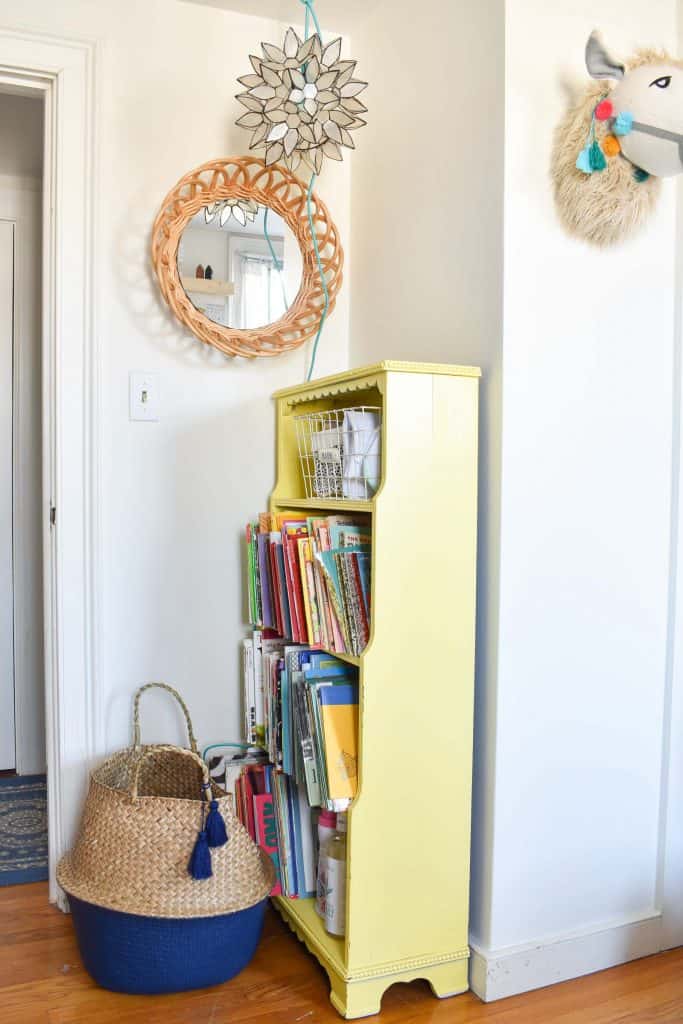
497	974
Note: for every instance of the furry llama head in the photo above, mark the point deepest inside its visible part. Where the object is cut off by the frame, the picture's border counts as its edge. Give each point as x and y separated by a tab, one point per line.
633	115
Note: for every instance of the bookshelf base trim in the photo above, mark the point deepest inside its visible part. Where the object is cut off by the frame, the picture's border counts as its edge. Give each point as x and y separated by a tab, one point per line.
354	998
359	993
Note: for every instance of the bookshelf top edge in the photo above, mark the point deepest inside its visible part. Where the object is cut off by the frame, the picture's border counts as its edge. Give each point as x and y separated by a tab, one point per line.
387	366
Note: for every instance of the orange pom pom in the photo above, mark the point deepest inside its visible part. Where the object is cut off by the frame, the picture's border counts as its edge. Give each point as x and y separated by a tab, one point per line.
610	146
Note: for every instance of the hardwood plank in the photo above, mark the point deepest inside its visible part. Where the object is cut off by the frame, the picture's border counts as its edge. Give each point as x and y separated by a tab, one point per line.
42	981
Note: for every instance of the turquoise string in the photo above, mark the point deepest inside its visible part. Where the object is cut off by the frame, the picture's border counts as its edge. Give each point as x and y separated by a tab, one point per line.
308	4
276	262
326	305
310	13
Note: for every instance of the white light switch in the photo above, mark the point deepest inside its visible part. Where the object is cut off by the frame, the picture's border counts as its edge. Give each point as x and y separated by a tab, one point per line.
144	397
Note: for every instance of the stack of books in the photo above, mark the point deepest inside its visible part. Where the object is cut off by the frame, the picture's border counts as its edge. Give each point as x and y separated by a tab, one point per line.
309	579
274	811
302	708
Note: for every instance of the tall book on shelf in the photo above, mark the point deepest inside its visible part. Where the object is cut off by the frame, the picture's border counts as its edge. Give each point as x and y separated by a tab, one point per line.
409	825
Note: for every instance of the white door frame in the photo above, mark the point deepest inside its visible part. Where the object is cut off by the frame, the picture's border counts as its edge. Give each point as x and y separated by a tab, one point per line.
64	72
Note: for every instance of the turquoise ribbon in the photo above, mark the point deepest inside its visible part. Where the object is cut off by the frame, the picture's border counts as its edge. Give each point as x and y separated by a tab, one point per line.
308	4
278	264
310	13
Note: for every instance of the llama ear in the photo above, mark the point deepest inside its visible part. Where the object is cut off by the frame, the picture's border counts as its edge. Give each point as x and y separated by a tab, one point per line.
599	62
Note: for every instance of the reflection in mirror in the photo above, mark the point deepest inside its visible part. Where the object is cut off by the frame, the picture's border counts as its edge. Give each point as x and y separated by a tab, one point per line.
239	263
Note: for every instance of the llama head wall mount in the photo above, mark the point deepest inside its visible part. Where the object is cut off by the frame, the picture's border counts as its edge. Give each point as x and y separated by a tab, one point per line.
611	149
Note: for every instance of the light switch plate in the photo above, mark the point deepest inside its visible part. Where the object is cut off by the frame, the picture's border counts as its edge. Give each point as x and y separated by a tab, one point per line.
144	397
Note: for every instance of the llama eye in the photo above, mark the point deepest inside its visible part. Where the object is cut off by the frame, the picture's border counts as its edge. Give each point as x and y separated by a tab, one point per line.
662	83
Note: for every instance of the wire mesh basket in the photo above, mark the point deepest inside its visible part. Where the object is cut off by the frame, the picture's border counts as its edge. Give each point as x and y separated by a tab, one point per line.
340	452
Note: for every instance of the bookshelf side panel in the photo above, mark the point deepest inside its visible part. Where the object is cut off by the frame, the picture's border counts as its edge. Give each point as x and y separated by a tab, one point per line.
287	470
409	828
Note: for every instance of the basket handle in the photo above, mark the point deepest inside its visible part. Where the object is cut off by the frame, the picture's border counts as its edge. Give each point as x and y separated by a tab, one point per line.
183	706
167	748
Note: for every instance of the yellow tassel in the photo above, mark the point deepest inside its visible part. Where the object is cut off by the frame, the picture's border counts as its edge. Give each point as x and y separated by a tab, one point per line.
610	146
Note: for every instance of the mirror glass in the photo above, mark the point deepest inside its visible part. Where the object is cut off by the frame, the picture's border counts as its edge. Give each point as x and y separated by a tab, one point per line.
239	263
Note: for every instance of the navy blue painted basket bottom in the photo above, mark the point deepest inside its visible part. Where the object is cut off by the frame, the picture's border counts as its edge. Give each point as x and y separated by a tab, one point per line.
152	955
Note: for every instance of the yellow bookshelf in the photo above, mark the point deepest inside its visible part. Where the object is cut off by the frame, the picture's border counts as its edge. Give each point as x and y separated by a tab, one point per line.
409	826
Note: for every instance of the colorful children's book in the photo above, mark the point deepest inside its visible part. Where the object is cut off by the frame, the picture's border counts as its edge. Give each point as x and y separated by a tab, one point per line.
339	712
266	832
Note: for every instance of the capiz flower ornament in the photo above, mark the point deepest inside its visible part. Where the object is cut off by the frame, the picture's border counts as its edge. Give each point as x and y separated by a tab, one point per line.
241	209
302	101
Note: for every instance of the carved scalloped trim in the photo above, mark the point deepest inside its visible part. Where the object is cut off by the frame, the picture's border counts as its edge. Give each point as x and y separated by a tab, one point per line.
333	391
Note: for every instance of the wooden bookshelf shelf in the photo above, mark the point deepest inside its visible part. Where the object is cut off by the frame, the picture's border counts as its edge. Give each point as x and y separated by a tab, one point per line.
352	659
325	504
408	840
302	918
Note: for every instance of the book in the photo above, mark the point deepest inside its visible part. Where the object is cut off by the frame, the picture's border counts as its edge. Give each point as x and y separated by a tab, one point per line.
249	690
266	832
339	712
263	555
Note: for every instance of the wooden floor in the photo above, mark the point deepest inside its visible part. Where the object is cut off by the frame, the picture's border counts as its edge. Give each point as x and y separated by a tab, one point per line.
42	982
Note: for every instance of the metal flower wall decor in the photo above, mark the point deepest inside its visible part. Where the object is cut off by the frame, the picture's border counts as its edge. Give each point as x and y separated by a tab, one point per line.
302	101
241	210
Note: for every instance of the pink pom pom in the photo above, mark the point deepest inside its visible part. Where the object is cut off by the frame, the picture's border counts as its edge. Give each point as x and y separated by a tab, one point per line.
604	110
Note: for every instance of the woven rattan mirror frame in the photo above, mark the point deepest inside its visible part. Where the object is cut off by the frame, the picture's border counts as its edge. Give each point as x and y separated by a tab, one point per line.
277	188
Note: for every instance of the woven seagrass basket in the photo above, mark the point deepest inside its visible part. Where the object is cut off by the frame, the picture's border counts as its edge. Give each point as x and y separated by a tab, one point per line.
157	905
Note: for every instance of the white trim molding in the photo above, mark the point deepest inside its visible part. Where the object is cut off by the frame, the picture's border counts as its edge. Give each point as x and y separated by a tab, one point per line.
497	974
63	70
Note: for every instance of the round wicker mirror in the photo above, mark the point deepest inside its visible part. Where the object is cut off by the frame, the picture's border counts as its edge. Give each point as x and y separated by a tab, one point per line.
241	192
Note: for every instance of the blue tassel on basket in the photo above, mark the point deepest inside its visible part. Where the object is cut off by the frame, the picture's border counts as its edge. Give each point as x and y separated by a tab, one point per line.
215	826
200	861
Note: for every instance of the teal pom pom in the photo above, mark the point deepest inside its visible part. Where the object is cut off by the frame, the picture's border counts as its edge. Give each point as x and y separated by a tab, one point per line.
597	157
623	123
583	161
200	861
215	827
640	175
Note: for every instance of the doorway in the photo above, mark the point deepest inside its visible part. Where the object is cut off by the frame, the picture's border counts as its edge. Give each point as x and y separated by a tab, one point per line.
23	796
22	683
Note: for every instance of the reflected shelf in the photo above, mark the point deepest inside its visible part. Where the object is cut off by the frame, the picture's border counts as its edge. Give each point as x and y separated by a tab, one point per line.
204	286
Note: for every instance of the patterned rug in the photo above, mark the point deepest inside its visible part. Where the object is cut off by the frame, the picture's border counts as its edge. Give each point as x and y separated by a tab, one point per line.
23	829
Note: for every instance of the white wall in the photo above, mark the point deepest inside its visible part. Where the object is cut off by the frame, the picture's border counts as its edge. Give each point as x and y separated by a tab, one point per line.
586	489
670	880
427	278
175	494
576	501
